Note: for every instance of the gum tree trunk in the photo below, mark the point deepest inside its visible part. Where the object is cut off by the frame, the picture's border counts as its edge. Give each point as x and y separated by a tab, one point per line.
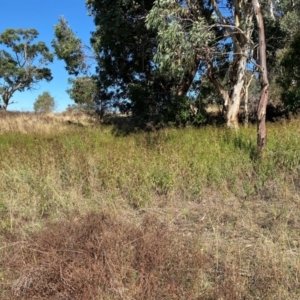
235	99
247	101
264	93
187	80
222	91
240	34
243	14
5	101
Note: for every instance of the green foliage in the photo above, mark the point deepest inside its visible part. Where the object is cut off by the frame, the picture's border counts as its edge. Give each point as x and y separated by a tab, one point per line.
288	57
289	17
150	65
123	46
137	167
125	50
172	109
151	54
85	93
83	90
143	102
18	71
178	112
44	103
282	27
290	79
153	196
69	48
181	36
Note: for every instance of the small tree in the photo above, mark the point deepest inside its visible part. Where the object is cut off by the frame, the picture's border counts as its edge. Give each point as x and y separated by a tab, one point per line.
22	63
44	103
84	91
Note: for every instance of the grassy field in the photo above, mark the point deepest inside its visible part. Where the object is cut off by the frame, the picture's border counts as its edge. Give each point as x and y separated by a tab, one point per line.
172	214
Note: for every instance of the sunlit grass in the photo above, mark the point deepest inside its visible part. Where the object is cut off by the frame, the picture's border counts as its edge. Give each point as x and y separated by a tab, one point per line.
242	208
50	169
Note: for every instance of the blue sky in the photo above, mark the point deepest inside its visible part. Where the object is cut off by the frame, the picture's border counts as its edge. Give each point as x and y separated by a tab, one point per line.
43	15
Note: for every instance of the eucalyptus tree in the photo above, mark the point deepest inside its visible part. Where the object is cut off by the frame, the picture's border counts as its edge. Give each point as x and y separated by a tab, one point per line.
69	47
289	78
288	58
191	34
84	88
22	62
44	103
199	36
152	53
124	49
84	91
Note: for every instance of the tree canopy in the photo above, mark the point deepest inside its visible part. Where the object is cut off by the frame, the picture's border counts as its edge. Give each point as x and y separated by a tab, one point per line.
44	103
69	48
153	55
22	62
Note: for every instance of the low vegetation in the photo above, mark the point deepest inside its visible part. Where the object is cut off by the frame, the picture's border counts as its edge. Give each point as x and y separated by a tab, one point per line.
43	123
170	214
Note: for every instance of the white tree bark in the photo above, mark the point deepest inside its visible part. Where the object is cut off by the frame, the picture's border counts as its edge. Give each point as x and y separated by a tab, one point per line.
235	99
247	101
243	14
241	37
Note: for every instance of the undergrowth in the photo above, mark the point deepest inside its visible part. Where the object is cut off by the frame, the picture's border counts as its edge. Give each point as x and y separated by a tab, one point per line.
173	214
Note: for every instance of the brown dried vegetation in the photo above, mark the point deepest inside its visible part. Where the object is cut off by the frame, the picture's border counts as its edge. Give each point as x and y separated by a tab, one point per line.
203	250
174	214
98	257
28	122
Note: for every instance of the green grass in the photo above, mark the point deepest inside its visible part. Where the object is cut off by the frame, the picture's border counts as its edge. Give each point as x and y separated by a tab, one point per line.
240	209
45	171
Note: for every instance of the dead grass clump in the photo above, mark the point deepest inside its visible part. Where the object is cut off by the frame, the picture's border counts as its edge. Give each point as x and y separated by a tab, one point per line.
98	257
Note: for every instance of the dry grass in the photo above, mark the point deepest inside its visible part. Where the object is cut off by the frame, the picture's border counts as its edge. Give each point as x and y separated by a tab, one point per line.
100	255
174	214
28	122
